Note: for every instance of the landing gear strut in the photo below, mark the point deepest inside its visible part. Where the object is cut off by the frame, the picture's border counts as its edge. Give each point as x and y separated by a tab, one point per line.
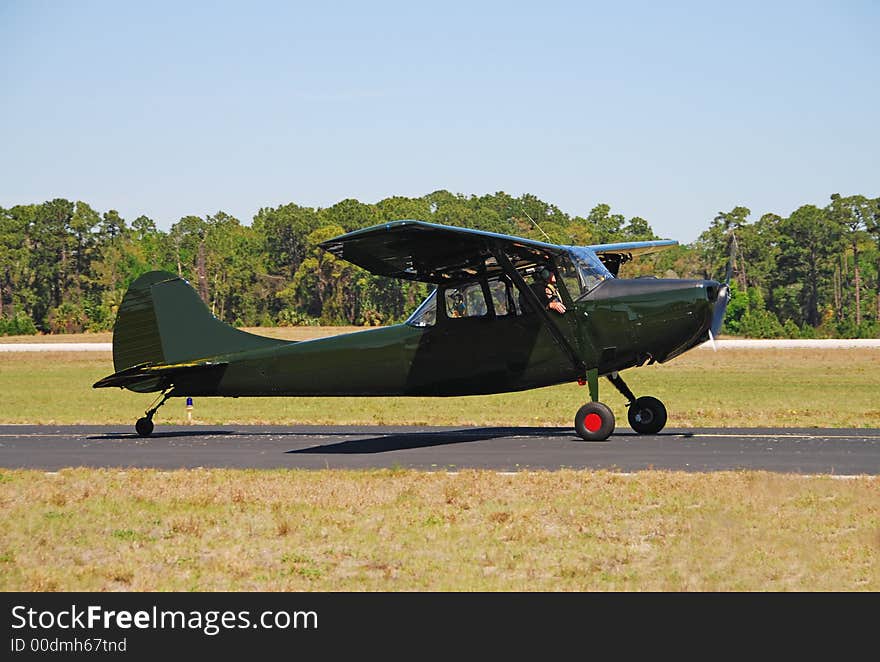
595	420
144	426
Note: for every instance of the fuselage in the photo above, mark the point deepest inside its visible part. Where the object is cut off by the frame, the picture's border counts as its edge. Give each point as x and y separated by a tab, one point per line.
619	324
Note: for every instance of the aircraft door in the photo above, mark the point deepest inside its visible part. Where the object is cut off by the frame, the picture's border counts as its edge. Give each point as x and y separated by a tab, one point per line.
477	342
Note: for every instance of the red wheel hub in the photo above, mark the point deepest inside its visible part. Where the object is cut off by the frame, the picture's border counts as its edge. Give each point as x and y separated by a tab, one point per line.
593	422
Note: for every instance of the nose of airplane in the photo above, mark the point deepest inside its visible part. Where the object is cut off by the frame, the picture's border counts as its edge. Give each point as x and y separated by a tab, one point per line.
659	317
665	315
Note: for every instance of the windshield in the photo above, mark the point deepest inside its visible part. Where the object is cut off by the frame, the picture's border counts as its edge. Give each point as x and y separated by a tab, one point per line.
426	314
591	271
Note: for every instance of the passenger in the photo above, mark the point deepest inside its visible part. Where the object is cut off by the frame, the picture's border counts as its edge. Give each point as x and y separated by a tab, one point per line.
458	307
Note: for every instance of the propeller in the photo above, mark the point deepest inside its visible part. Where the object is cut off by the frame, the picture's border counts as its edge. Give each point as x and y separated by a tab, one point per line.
718	313
723	297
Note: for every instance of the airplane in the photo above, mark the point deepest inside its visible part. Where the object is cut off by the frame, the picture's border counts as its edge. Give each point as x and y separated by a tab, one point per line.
483	329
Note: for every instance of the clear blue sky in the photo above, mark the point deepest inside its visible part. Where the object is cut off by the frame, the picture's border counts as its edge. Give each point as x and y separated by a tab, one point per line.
670	112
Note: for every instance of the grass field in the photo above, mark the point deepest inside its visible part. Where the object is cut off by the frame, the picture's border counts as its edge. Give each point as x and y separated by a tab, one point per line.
242	530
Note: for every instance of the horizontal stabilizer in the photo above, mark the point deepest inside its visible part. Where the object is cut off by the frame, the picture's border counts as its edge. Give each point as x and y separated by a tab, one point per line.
154	376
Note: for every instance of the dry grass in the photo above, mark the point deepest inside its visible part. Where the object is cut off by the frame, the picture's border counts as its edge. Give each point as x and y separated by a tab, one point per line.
733	387
100	530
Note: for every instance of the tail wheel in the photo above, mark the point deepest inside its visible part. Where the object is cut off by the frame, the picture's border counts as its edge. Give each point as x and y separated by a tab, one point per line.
594	422
647	415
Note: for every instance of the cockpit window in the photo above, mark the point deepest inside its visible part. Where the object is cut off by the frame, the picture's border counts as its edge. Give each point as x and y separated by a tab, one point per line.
569	275
426	314
591	271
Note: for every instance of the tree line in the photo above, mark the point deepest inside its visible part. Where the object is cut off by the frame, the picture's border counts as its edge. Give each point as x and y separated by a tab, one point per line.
64	267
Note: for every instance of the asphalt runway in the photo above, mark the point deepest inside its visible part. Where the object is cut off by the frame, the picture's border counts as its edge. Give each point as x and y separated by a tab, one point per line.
842	452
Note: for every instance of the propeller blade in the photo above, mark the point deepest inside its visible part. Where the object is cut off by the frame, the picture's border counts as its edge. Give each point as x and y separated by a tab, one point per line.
731	257
718	312
712	340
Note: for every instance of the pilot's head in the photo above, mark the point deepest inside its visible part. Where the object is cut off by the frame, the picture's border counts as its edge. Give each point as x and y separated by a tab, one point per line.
545	275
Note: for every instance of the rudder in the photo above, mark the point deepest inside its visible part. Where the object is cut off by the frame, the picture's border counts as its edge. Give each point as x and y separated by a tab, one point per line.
162	320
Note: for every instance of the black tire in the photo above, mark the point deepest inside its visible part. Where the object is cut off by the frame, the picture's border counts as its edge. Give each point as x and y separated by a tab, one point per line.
594	422
647	415
144	427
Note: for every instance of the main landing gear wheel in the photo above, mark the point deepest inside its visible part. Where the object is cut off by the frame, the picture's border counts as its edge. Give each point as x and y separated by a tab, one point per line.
647	415
594	422
144	427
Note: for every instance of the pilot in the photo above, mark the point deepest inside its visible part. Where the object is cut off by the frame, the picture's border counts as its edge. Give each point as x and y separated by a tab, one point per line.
551	294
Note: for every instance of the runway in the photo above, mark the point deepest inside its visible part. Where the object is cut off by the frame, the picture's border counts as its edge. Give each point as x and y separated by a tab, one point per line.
840	452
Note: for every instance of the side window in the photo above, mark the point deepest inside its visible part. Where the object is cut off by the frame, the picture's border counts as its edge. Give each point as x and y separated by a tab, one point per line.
502	297
426	314
465	301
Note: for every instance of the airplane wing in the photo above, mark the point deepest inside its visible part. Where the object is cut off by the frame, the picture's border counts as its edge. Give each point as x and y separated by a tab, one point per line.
633	248
433	253
614	255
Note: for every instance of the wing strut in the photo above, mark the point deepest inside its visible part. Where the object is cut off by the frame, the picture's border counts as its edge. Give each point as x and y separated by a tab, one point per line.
579	366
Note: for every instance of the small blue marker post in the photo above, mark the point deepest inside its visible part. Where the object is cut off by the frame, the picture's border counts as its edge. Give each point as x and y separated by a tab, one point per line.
189	411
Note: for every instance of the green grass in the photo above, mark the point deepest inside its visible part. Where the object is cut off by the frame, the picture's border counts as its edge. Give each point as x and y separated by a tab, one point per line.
292	530
731	387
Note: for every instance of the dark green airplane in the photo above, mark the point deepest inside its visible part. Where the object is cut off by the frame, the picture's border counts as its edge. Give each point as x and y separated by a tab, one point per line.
484	329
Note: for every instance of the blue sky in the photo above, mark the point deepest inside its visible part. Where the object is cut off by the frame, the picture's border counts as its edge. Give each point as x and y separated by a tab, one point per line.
672	112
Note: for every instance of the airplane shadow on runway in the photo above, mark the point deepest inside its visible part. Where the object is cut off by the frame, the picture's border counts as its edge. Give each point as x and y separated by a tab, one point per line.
411	440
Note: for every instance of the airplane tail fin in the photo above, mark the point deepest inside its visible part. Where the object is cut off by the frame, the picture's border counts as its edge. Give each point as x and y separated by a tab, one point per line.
162	325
